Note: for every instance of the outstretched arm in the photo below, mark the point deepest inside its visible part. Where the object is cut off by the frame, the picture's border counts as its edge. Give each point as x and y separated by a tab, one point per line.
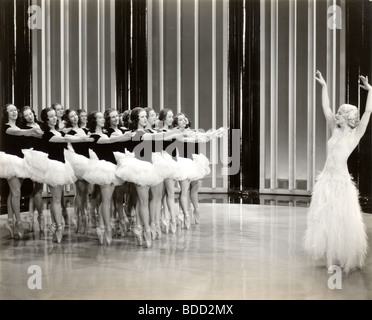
71	139
361	129
328	114
34	132
114	138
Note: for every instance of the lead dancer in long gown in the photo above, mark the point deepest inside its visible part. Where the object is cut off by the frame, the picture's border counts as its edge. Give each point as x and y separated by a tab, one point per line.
335	228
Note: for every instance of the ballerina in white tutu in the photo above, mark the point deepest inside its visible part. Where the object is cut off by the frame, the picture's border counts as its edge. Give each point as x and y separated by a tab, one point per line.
12	164
168	218
193	165
51	167
138	168
29	121
335	228
113	129
78	156
162	166
102	170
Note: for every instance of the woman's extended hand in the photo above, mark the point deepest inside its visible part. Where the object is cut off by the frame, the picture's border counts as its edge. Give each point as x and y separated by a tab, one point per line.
365	85
319	78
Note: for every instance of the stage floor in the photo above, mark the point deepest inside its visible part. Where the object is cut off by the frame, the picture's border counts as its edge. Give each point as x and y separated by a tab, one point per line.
239	251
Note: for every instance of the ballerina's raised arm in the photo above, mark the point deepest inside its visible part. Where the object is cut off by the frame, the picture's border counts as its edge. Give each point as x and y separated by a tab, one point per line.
330	117
361	129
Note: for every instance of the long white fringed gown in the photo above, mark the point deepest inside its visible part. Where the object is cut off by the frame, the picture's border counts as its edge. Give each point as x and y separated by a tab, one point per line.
335	228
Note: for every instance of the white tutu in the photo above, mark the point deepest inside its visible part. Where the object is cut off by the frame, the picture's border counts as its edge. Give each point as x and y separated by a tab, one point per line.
172	167
137	171
44	170
202	168
335	228
12	166
101	172
79	163
192	170
164	165
36	164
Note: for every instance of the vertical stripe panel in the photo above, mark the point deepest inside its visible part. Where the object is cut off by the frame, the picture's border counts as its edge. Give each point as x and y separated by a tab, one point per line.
262	95
179	80
224	87
214	93
274	94
62	52
67	55
161	53
43	56
149	54
292	95
196	64
311	94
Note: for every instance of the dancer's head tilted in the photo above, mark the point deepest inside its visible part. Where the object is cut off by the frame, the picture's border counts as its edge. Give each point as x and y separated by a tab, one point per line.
95	119
347	114
166	117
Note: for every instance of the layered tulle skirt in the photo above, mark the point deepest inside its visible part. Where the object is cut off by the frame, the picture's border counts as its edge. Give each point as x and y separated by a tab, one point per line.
193	170
44	170
140	172
335	228
12	166
101	172
79	163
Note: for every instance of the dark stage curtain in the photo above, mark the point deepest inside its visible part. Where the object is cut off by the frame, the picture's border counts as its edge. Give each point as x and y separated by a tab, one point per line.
244	72
131	68
358	62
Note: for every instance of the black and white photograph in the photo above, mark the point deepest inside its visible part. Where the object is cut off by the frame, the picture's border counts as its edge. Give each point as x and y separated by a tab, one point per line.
185	155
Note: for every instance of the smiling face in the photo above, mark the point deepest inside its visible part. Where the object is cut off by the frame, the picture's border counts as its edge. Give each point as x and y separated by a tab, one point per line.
12	112
182	121
52	119
100	120
59	111
114	118
151	120
347	114
29	116
72	116
142	120
83	118
168	119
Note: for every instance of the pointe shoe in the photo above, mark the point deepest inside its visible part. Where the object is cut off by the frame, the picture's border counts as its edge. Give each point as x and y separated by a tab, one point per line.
165	225
100	233
137	231
123	228
108	235
181	220
147	238
41	222
158	231
113	226
196	216
173	226
153	230
59	233
9	225
53	229
30	221
19	229
187	220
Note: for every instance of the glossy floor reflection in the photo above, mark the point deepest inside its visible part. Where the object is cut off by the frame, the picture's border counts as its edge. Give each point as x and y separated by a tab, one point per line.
238	251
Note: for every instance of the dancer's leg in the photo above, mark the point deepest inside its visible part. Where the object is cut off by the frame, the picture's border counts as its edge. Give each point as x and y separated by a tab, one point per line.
194	195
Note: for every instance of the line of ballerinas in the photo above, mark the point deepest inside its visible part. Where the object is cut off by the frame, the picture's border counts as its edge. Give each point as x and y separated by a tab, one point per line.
129	167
